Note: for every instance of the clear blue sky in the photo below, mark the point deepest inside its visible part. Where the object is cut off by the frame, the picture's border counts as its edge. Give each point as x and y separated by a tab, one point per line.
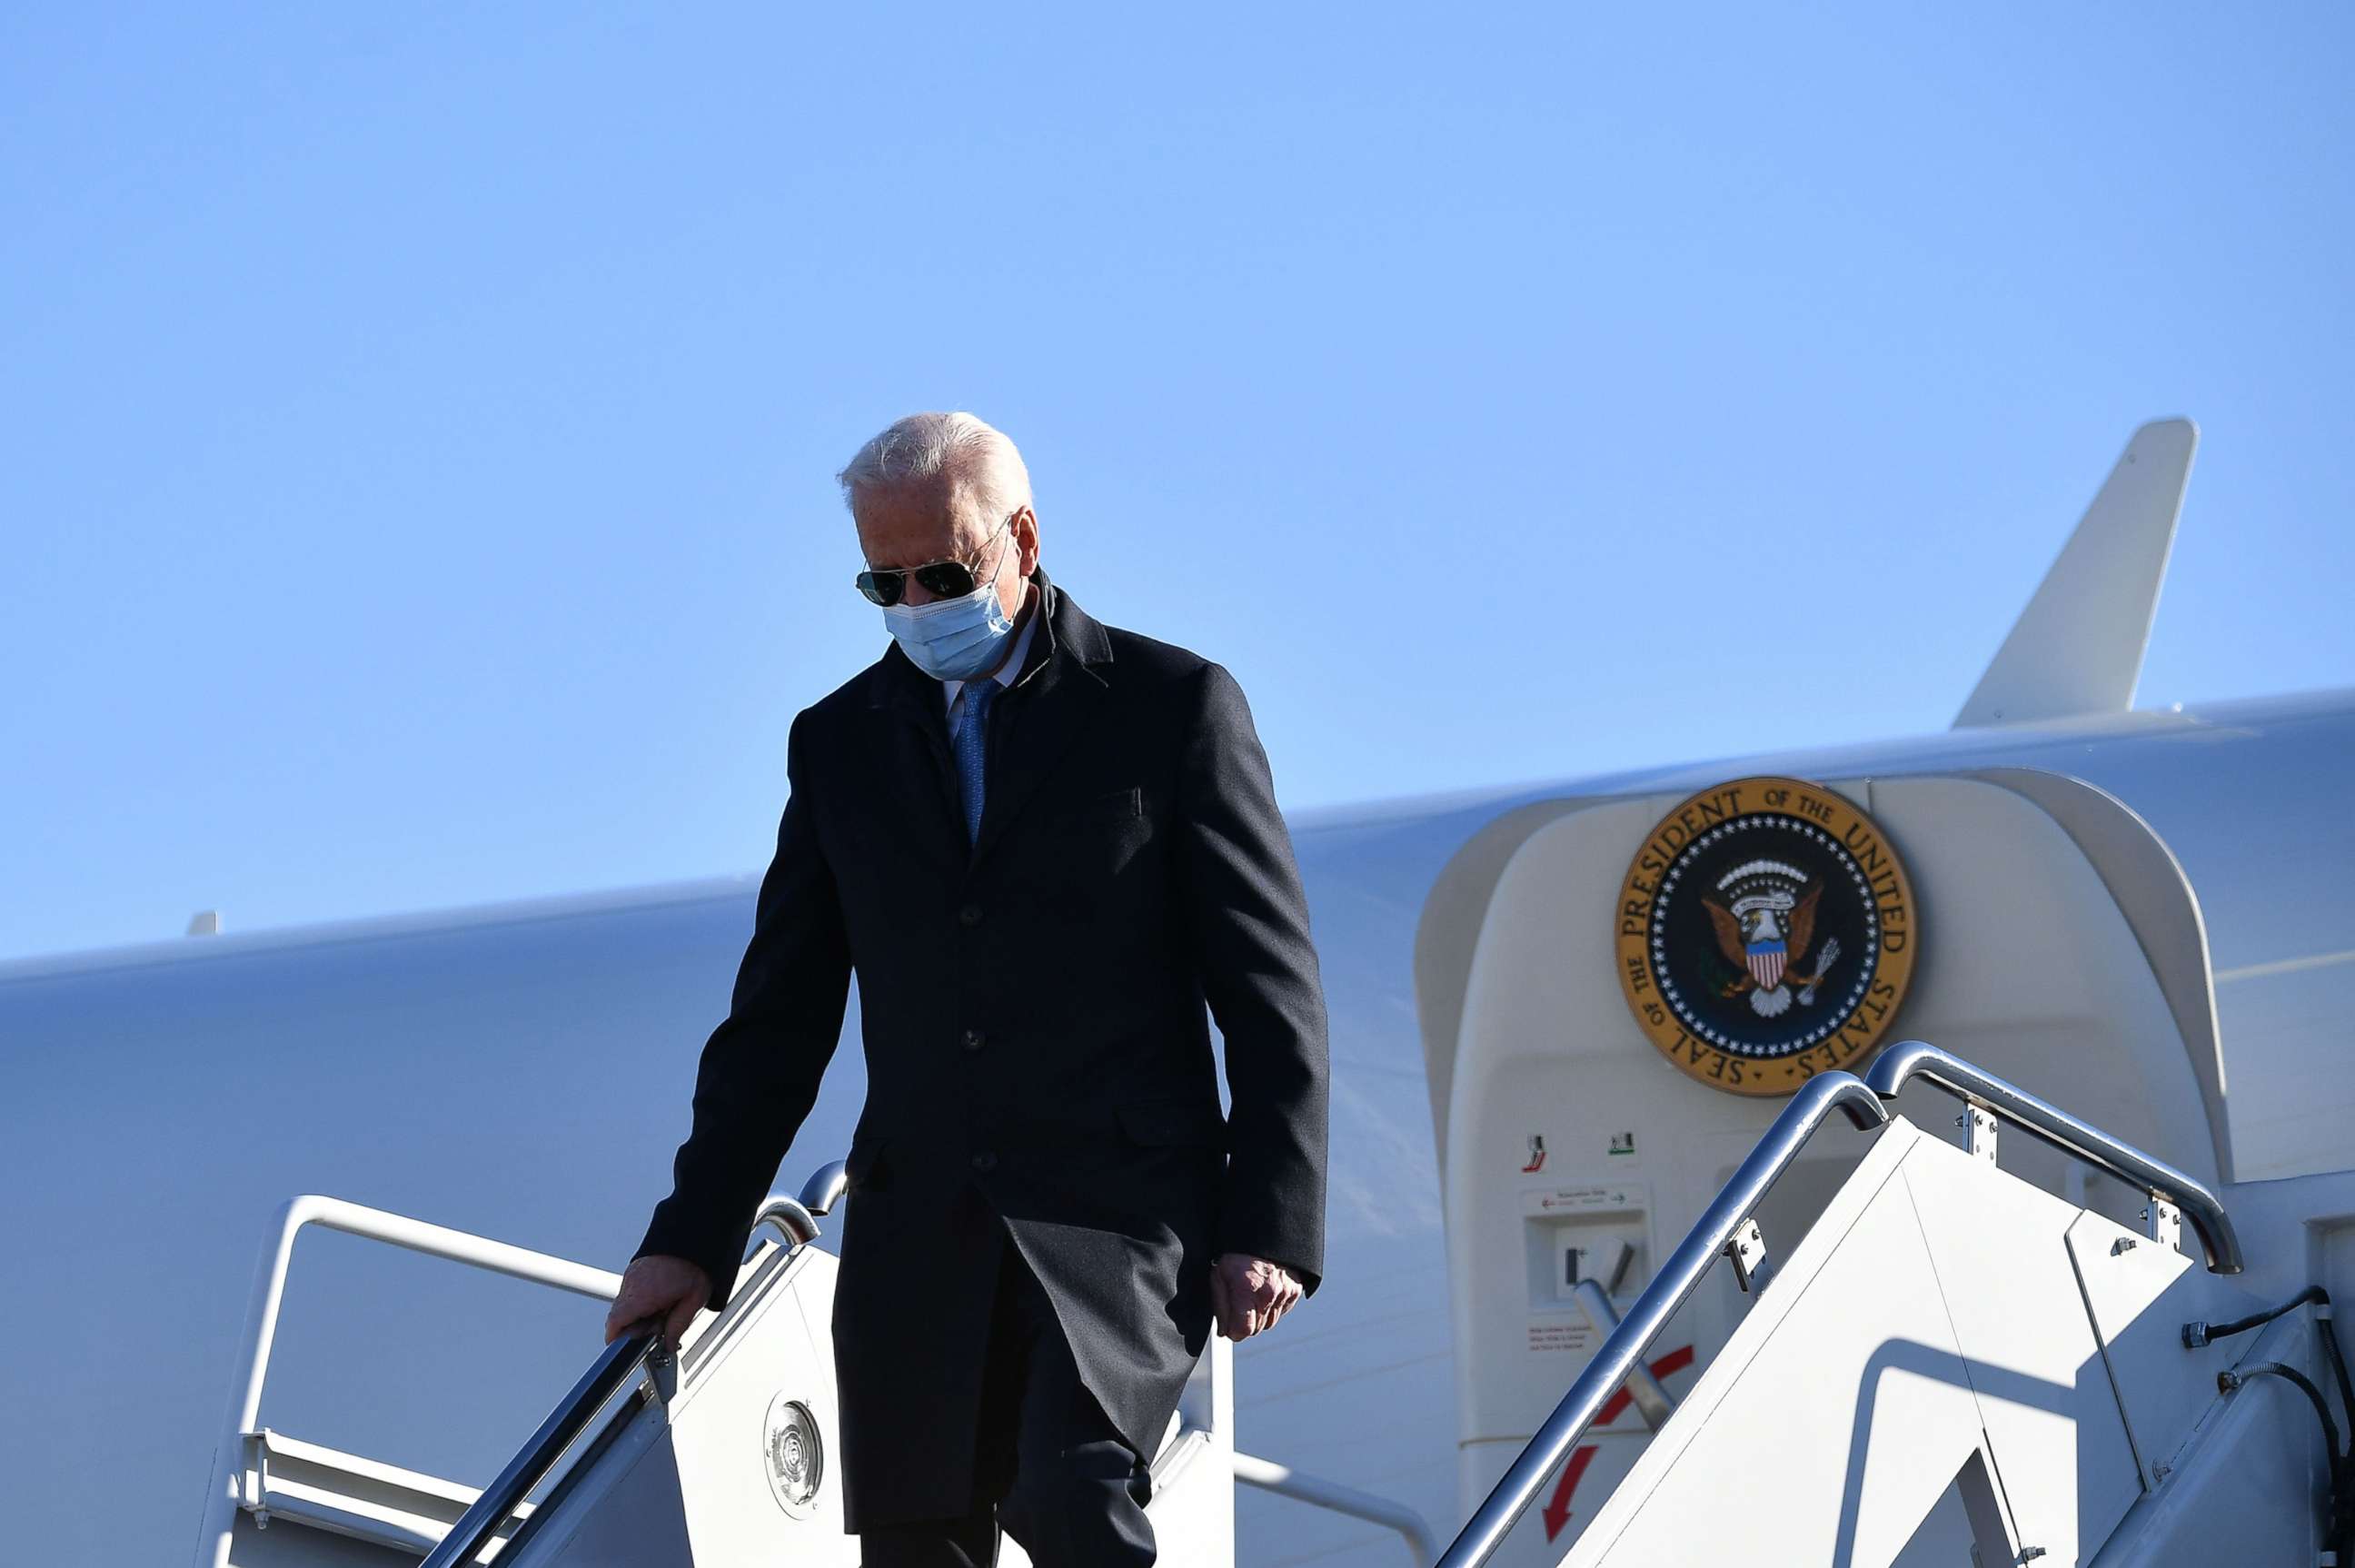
417	423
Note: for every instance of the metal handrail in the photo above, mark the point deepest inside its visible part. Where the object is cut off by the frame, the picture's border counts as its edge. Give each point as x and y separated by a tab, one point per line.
1912	1058
796	1219
294	1217
639	1347
1623	1352
1284	1481
616	1365
791	1218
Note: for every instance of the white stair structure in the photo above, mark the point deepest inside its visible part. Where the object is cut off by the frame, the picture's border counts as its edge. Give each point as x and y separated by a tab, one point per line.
1953	1367
1956	1366
717	1456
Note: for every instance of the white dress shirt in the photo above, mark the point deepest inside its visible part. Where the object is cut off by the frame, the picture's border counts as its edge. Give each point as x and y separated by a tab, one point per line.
1007	671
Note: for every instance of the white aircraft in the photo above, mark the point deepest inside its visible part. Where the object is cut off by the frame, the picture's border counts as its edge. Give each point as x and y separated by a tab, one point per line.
1625	1266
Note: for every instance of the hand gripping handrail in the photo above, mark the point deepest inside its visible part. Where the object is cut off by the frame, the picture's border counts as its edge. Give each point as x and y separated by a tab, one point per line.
620	1362
1623	1352
1912	1058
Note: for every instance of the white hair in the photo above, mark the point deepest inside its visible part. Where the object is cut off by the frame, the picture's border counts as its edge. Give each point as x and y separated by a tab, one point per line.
980	466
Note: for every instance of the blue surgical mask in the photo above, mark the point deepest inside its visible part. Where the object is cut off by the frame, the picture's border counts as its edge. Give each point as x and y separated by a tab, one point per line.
955	639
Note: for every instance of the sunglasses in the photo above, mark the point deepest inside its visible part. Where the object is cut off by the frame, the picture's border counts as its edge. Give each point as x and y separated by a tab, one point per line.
946	578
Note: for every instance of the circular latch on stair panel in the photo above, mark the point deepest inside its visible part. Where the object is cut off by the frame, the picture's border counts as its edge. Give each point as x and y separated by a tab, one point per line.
792	1455
1765	933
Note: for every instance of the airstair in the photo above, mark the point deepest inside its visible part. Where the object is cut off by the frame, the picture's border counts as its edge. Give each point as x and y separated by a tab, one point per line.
715	1456
1953	1367
1956	1367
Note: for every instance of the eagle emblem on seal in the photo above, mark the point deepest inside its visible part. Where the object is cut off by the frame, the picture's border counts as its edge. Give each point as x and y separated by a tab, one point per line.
1764	915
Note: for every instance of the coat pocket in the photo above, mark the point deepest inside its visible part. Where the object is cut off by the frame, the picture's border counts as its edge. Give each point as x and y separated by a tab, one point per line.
1162	1123
1128	800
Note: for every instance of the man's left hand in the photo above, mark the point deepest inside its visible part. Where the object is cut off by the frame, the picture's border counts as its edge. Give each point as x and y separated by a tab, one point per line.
1250	1293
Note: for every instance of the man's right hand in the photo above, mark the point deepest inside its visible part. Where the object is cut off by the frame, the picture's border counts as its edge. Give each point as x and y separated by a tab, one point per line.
657	1285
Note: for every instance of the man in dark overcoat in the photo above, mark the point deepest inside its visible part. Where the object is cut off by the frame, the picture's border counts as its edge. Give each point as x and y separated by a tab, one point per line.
1042	844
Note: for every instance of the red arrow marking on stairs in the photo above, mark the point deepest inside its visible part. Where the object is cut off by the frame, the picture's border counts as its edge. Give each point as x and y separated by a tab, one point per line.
1557	1510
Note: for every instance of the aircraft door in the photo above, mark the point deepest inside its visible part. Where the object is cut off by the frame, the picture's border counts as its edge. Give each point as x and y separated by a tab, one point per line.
2053	940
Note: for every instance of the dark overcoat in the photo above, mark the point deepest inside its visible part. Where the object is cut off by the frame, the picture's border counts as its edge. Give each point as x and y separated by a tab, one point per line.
1033	1013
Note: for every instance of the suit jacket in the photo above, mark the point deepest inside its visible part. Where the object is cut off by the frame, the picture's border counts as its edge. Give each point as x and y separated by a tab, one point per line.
1033	1012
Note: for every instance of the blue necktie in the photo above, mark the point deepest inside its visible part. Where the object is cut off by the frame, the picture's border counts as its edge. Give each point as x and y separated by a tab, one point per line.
972	737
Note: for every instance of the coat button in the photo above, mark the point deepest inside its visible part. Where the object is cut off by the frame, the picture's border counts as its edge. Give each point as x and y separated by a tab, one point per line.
969	915
972	1039
984	1160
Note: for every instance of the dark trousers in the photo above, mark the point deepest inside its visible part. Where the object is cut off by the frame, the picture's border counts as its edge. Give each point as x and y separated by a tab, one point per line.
1049	1466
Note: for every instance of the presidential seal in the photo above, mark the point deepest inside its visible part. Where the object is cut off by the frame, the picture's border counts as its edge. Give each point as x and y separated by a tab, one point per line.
1765	934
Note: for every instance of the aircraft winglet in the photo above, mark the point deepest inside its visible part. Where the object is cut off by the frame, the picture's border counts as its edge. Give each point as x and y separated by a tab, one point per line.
2078	646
